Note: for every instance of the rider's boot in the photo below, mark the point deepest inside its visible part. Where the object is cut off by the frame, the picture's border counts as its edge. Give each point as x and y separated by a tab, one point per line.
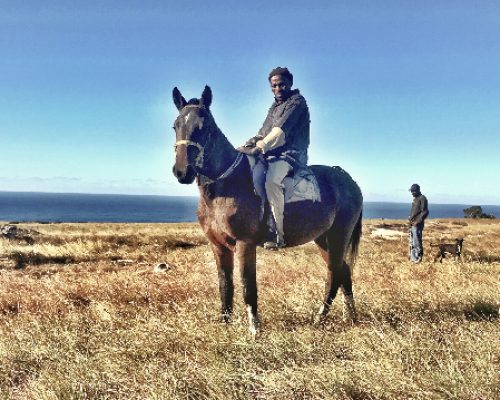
276	237
276	244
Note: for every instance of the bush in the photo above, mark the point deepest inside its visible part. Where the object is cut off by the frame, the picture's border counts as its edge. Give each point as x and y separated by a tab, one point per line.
476	212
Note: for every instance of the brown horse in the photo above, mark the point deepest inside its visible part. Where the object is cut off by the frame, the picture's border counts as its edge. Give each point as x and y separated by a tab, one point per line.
229	210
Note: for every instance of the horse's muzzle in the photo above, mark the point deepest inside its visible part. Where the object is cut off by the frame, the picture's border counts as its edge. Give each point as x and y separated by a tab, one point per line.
185	176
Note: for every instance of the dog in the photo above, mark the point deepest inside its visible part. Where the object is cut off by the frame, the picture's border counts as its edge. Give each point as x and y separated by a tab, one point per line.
455	249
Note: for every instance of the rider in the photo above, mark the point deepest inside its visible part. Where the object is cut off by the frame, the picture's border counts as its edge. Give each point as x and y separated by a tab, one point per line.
279	146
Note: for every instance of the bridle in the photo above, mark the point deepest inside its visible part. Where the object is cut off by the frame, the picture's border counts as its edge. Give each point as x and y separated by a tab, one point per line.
199	161
201	150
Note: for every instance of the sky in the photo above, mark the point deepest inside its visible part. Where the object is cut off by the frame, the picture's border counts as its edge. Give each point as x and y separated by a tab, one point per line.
399	92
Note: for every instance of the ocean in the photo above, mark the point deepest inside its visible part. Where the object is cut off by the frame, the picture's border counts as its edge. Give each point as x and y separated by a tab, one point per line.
69	207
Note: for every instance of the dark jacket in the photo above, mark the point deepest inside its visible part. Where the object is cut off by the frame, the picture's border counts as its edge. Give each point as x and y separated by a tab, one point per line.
292	116
419	210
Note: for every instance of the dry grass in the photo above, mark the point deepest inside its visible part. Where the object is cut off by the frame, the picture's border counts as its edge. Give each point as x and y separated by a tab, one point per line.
83	316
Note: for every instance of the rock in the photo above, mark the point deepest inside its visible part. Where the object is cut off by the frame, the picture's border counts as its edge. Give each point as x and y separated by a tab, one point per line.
12	232
162	267
387	233
9	231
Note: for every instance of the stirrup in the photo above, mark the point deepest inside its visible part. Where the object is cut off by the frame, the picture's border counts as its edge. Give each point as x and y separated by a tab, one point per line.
278	244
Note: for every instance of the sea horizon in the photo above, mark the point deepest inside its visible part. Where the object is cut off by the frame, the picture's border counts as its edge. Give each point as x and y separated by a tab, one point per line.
197	197
32	206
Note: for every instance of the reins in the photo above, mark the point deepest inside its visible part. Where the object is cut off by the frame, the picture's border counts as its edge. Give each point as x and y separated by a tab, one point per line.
233	166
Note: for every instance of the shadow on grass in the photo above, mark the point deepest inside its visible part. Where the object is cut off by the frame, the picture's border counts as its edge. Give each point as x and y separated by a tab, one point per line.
23	259
19	370
9	308
79	300
481	257
357	393
181	244
479	311
397	227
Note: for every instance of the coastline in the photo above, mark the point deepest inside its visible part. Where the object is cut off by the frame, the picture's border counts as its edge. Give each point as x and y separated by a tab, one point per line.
49	207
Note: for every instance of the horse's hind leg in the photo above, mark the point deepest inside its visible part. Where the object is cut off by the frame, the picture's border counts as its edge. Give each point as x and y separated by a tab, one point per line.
349	310
322	243
333	247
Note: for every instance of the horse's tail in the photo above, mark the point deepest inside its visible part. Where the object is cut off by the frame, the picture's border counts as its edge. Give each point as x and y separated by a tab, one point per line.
355	240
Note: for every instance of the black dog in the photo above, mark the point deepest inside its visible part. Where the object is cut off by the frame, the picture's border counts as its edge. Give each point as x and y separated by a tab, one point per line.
455	249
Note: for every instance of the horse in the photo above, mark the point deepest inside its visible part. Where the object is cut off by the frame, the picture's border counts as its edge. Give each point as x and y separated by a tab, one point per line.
229	211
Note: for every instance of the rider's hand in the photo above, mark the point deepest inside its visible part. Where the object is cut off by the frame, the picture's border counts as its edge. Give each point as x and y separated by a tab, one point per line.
250	151
251	142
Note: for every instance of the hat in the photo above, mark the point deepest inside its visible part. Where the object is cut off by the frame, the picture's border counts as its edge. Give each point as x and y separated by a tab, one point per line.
415	188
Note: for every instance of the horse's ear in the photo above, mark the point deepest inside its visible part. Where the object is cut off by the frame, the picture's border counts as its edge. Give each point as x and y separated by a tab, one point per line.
179	100
206	97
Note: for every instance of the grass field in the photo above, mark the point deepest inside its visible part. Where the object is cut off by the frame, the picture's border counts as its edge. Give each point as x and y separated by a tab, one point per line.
84	315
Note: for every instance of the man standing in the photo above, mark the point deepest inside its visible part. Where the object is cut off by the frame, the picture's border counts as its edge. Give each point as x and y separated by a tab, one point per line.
280	145
418	213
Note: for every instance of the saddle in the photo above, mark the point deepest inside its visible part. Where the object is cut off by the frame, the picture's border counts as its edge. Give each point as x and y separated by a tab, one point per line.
300	185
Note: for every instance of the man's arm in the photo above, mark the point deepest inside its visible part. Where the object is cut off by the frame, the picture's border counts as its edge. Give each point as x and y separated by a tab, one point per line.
416	209
275	139
423	210
291	115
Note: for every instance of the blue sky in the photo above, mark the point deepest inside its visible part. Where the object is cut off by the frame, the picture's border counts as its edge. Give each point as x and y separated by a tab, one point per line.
399	92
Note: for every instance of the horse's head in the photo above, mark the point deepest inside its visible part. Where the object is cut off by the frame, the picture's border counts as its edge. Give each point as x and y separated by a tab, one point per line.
191	134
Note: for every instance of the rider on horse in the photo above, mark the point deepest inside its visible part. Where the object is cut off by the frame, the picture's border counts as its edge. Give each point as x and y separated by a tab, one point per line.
280	146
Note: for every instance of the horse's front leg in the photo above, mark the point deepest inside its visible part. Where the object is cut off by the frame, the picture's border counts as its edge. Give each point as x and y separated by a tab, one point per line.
246	254
224	259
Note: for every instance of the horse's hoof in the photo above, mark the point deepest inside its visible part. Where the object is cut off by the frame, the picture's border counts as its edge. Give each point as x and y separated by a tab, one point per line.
254	331
321	315
350	320
253	322
349	314
226	318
